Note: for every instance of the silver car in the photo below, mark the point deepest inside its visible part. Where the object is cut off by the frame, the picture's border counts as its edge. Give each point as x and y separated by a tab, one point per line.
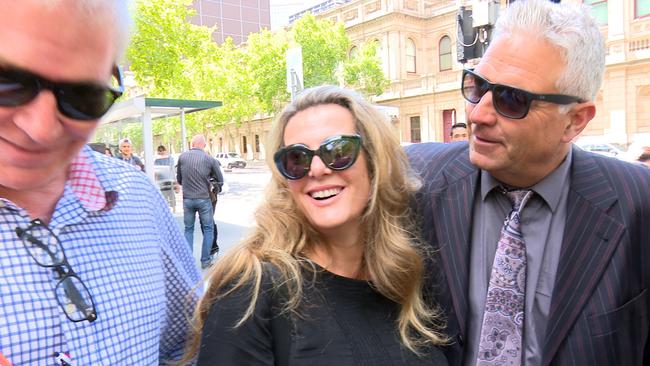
230	160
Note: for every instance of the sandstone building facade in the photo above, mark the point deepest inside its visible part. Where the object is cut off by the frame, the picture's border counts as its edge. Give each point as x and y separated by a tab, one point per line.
417	46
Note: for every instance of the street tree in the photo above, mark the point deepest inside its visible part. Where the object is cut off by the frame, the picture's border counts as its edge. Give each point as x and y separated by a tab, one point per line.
363	72
324	45
266	56
172	58
164	42
236	92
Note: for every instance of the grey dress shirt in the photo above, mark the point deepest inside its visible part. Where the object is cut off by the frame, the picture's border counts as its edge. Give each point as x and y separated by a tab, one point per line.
194	169
542	222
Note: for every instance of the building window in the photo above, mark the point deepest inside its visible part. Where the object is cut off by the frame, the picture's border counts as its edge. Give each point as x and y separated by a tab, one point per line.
410	55
415	129
642	8
353	52
599	10
445	53
257	143
379	53
244	146
377	48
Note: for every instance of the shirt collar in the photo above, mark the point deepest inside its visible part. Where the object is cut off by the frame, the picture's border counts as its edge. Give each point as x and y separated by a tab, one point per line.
549	188
86	186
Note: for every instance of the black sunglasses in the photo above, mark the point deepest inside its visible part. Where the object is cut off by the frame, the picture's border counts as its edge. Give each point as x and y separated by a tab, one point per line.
509	102
84	101
70	292
337	152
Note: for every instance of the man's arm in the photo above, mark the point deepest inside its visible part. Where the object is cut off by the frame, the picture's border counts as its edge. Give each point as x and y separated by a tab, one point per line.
216	172
179	177
138	162
182	289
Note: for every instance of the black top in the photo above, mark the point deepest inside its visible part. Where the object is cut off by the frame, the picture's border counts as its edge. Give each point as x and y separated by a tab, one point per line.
344	322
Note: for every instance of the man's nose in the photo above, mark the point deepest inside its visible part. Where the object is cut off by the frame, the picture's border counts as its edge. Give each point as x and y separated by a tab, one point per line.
39	118
482	112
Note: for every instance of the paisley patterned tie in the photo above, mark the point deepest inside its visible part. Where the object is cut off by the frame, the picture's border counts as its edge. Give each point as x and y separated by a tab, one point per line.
503	319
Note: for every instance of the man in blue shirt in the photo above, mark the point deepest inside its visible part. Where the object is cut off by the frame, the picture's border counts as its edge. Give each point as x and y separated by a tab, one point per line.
94	268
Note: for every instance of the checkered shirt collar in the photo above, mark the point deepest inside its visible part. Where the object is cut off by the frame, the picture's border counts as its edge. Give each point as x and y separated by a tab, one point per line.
86	186
84	183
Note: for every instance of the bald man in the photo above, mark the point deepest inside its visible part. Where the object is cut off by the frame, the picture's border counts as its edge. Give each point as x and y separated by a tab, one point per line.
195	168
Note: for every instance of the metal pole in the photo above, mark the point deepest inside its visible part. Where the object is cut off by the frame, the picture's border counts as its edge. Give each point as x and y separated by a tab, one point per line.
147	140
183	131
293	85
296	85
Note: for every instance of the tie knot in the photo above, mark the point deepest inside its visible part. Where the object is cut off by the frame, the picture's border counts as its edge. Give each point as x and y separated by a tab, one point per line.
518	197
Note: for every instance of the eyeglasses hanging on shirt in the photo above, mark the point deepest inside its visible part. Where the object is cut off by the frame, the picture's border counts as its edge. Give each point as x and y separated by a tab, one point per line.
71	293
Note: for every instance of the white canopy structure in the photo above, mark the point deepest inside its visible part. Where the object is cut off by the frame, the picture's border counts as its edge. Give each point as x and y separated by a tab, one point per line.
144	110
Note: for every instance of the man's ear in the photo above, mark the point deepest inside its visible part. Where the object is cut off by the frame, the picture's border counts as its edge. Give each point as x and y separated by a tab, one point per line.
579	116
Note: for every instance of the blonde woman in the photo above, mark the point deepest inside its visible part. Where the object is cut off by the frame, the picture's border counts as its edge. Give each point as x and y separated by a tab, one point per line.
331	274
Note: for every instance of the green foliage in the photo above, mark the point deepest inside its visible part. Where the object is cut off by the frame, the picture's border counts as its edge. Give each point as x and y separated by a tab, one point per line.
266	56
164	46
234	69
363	71
324	44
111	134
172	58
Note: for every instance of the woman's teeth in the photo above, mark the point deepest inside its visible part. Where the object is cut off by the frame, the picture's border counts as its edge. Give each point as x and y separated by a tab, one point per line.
327	193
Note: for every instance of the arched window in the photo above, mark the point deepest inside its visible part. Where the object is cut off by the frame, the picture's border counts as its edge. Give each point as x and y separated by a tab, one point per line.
598	10
377	48
410	55
415	129
353	52
642	8
445	53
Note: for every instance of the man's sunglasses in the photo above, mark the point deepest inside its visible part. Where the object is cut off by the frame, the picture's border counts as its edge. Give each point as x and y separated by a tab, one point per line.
509	102
84	101
337	152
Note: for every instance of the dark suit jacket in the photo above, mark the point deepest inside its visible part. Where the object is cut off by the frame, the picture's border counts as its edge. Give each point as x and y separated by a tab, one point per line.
599	311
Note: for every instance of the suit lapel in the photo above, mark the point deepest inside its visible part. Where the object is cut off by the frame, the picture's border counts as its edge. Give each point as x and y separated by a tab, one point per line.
590	238
452	209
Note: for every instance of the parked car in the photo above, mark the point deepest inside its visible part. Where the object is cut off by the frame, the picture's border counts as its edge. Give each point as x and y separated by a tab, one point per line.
603	149
165	176
164	172
230	160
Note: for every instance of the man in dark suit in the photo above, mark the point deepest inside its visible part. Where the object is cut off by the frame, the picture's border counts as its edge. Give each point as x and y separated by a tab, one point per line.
583	290
459	132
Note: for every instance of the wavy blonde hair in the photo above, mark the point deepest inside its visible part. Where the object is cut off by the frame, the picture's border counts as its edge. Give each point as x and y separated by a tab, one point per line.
282	234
